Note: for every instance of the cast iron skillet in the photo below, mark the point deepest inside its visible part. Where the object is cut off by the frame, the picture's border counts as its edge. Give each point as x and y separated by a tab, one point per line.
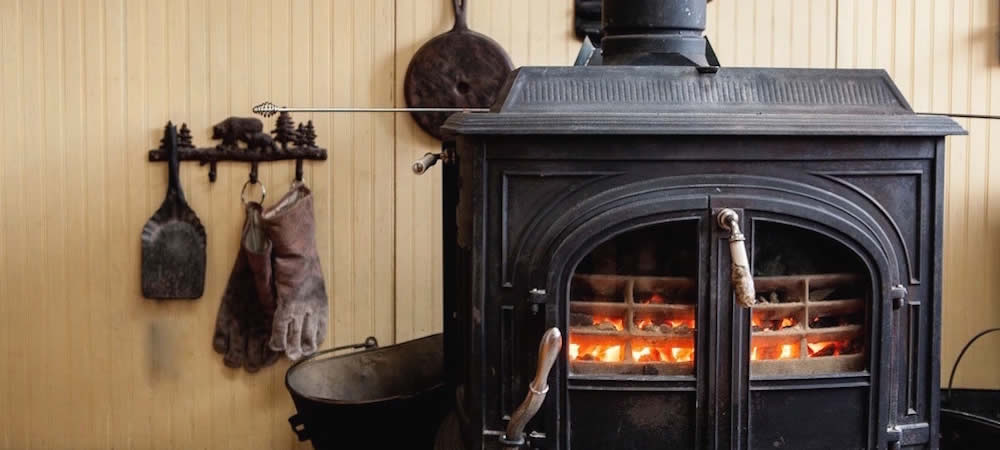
457	69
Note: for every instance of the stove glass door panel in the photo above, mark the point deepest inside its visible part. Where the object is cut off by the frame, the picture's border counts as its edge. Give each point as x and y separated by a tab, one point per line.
812	304
633	338
808	385
633	303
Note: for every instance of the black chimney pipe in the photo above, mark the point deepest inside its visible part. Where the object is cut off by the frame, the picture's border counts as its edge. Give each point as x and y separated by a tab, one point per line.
653	32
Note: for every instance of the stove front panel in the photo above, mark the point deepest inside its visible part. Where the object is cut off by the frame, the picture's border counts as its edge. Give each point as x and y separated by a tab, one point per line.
626	258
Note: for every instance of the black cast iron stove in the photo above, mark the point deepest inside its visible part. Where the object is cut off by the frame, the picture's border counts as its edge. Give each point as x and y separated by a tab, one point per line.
622	204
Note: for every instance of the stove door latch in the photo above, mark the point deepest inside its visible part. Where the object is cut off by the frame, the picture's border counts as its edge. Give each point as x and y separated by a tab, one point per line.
741	278
548	350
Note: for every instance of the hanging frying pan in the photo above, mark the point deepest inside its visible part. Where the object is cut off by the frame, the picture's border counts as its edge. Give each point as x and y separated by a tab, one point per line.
458	69
173	240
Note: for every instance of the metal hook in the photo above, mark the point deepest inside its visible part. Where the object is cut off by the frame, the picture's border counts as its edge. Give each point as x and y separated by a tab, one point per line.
298	170
243	192
253	172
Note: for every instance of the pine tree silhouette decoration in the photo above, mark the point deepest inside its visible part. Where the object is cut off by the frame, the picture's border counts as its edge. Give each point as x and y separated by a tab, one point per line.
284	130
184	137
299	135
308	135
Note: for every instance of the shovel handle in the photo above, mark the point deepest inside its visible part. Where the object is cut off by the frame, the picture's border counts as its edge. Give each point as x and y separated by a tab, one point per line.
173	160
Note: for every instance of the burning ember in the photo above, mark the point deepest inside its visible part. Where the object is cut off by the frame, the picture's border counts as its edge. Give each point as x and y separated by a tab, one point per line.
655	299
643	354
784	351
607	323
669	326
598	352
653	354
832	348
772	324
601	323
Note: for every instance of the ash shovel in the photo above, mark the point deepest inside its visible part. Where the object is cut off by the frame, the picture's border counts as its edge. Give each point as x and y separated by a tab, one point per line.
173	240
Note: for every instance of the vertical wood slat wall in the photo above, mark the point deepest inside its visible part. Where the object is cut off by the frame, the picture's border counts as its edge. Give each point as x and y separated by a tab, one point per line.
88	85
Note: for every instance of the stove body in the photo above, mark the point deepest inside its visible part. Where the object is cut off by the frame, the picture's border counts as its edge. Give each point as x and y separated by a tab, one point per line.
588	201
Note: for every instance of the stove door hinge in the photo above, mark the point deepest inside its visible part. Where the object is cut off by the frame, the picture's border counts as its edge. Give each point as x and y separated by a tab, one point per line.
908	434
898	295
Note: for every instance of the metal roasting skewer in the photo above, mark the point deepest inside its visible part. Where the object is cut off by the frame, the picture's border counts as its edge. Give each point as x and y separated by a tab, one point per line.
268	109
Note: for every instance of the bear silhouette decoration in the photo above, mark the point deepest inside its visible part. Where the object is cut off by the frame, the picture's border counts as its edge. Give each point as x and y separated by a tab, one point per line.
247	130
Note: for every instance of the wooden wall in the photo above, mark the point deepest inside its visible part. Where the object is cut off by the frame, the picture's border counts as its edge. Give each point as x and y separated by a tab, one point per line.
88	84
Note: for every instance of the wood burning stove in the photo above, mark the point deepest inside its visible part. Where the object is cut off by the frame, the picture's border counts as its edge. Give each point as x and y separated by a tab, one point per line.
622	205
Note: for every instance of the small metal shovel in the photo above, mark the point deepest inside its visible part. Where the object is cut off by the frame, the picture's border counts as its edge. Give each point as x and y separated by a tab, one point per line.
173	240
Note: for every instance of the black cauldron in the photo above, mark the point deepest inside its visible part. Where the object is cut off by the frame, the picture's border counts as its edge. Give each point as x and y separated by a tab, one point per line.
377	397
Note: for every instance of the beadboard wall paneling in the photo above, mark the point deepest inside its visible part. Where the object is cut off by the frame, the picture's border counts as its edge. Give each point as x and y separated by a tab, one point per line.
89	84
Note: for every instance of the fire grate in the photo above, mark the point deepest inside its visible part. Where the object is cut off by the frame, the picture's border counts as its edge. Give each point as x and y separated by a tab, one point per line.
808	325
632	325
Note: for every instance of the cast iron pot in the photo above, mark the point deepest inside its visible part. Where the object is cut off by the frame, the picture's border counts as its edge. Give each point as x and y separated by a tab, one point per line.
378	397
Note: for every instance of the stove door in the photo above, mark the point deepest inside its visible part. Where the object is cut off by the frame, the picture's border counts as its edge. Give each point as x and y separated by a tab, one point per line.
802	362
637	348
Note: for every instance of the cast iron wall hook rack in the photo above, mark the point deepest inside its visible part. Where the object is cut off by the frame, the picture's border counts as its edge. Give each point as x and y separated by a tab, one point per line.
287	143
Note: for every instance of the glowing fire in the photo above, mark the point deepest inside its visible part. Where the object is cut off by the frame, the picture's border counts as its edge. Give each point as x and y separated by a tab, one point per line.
825	348
682	354
655	299
619	324
652	354
771	325
645	323
787	352
614	352
606	353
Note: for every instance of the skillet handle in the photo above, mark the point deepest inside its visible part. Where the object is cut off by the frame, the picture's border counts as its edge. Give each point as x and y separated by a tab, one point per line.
460	17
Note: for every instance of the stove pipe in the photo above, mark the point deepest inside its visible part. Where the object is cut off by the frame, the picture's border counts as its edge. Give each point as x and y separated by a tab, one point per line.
653	33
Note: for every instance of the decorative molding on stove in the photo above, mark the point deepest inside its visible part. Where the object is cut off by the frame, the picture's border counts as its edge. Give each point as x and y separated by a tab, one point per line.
733	123
853	179
665	88
544	195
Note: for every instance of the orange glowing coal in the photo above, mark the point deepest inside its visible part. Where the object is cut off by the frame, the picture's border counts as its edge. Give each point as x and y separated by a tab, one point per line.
652	354
682	354
642	324
597	352
680	323
619	324
654	299
771	325
787	351
825	348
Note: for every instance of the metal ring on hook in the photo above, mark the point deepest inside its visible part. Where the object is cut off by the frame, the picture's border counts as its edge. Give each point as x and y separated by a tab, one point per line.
243	192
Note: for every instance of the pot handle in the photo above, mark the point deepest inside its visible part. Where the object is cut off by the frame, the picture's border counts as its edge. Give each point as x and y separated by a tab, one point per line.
740	275
298	425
